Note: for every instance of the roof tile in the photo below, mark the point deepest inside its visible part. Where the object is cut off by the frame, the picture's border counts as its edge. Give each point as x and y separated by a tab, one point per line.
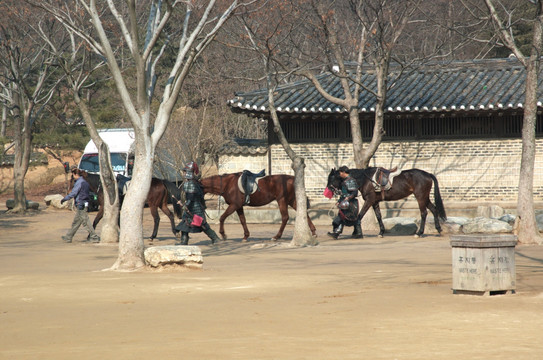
459	85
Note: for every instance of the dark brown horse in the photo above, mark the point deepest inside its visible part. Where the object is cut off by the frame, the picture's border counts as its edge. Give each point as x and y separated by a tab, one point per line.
270	188
413	181
159	194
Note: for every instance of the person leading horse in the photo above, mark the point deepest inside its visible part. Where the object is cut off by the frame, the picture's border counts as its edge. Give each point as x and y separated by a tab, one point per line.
348	207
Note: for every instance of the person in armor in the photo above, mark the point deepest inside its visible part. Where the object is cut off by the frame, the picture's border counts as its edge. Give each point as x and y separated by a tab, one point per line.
194	207
348	207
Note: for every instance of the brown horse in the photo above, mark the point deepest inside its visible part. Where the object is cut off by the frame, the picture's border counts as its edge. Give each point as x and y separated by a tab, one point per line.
270	188
159	194
413	181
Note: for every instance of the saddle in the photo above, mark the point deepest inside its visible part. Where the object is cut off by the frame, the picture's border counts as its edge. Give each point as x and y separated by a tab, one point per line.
122	184
383	178
247	183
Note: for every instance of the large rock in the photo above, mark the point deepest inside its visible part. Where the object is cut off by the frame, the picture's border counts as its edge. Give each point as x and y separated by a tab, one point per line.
189	256
54	201
496	211
539	221
492	211
400	226
10	203
509	218
481	225
453	225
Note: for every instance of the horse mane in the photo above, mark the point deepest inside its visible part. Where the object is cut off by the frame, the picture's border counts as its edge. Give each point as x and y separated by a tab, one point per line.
360	175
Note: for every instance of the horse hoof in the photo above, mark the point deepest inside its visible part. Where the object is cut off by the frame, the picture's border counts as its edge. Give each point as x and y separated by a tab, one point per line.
379	236
273	239
417	236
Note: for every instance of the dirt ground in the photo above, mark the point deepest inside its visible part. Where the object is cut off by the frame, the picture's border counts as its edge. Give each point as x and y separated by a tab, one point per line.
373	298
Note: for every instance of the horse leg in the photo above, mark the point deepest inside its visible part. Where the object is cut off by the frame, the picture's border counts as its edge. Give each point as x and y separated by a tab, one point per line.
156	218
311	227
433	209
229	210
423	214
365	209
377	211
241	215
168	213
283	208
98	217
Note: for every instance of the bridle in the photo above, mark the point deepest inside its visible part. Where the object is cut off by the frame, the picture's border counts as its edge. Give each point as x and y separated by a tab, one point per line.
337	191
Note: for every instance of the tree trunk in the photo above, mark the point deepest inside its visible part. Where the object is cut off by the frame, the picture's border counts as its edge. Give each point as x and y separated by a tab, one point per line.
131	243
23	148
110	220
356	131
302	234
4	120
378	128
110	224
527	230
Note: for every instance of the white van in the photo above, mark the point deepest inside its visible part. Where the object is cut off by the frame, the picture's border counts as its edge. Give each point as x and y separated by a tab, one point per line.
120	143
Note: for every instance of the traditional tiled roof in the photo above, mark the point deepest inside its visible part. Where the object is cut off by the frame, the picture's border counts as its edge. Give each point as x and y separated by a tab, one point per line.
245	147
460	85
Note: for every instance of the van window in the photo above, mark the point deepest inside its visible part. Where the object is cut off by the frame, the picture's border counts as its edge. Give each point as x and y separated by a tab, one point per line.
90	162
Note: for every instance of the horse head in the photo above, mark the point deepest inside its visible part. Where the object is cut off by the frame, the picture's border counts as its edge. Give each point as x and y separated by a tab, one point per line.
334	181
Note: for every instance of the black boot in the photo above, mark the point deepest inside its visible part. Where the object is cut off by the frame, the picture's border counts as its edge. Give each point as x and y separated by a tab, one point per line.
357	233
212	235
184	240
336	232
332	233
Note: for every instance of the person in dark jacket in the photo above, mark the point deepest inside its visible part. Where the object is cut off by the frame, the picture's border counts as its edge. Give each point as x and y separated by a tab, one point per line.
80	194
194	216
348	207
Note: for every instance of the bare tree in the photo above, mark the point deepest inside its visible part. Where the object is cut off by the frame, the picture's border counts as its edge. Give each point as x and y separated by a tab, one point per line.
27	83
366	32
78	65
200	22
266	41
526	226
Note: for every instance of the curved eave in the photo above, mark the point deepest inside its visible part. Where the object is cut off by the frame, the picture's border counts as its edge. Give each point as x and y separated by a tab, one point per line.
239	106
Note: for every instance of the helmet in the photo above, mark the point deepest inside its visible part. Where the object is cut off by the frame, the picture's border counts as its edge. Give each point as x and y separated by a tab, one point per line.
344	204
191	169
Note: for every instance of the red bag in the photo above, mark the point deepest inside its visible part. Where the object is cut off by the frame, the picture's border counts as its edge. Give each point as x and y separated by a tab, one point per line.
197	220
328	193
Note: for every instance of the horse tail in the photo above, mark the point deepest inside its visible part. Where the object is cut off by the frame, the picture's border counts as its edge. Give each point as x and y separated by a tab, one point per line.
173	191
438	200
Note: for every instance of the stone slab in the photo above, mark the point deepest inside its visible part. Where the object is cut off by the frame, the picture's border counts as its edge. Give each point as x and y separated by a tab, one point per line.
190	256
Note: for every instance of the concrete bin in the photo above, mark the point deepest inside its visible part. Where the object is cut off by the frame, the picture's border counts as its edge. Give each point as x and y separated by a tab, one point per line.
483	264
